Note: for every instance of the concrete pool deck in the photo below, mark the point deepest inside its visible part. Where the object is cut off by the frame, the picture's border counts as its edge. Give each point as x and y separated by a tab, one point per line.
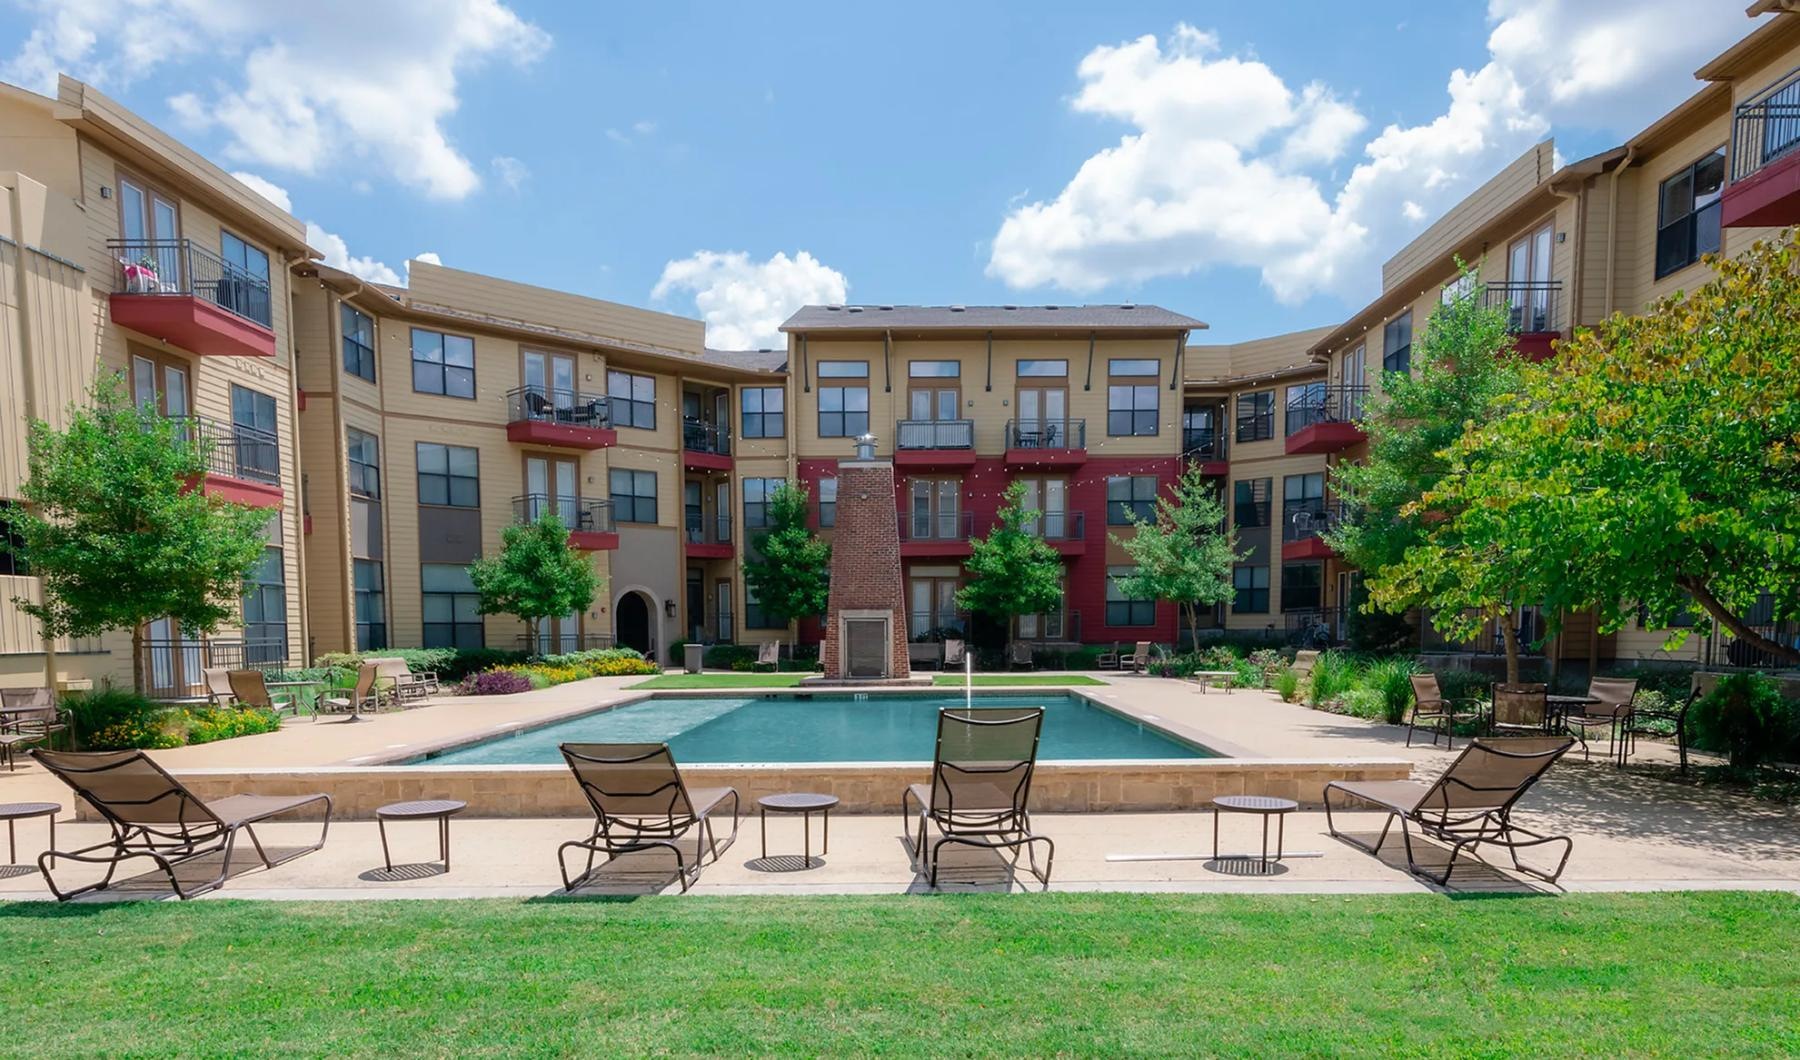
1631	831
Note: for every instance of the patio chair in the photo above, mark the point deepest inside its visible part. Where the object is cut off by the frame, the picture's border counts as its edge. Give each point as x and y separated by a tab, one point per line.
1139	660
1109	659
1643	721
955	652
538	407
768	654
366	693
30	715
1439	715
218	685
641	803
251	689
1019	653
1615	695
925	655
407	685
154	816
1520	709
1470	803
980	786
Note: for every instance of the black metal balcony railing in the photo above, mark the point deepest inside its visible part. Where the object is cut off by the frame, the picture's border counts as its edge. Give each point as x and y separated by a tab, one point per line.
934	434
1045	434
573	512
1325	404
937	624
176	669
701	437
1530	305
708	529
1766	127
936	526
1203	443
234	451
571	408
548	644
1062	626
1309	518
181	267
1311	626
1059	526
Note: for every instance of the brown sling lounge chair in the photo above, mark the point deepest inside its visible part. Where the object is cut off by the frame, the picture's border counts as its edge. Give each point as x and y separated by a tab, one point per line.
1470	804
641	803
251	689
154	816
980	786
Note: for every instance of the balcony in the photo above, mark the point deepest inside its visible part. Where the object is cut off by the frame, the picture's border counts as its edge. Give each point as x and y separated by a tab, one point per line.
1765	159
564	419
934	443
1205	446
187	296
1046	443
1323	419
937	625
705	446
546	644
590	523
927	533
709	536
1055	627
1064	531
1531	313
243	464
175	670
1302	524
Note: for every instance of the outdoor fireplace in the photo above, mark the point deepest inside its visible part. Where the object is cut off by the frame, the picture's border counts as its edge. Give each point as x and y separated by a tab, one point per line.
865	622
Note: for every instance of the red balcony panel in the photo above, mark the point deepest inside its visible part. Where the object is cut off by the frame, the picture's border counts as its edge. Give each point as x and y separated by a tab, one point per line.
300	398
1536	345
700	550
1026	459
1328	437
596	540
1305	548
306	524
695	460
561	435
929	458
1767	198
1071	546
193	324
1215	468
240	490
926	548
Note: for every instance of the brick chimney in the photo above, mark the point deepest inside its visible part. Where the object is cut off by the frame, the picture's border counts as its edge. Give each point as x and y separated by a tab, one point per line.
865	620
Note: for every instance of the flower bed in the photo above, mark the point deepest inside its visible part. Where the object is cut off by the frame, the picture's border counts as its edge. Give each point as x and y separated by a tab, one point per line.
556	670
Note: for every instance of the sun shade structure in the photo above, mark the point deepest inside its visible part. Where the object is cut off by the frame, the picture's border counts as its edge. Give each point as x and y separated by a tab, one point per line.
154	816
980	786
641	803
1469	804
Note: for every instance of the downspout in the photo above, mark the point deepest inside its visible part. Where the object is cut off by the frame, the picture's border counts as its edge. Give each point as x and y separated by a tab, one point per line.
990	362
1089	384
299	510
887	370
1612	228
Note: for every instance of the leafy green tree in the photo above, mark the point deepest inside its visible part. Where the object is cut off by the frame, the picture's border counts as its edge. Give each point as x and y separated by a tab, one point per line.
1658	466
1185	552
117	532
1012	571
1409	551
789	568
535	576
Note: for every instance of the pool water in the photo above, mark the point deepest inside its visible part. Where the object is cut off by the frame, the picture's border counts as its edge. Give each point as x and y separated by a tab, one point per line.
819	728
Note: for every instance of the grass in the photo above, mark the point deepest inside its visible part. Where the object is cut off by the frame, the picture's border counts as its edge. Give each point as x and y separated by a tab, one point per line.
722	681
1021	680
1603	975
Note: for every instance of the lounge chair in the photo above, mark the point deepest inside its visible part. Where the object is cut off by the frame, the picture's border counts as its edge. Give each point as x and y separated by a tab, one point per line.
218	685
406	684
925	655
641	803
366	693
251	689
1109	659
1469	804
1019	653
1615	695
1437	714
1138	661
1303	662
980	786
27	716
154	816
768	654
955	653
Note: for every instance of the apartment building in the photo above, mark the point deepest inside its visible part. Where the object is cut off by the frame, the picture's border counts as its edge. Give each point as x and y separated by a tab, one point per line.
123	251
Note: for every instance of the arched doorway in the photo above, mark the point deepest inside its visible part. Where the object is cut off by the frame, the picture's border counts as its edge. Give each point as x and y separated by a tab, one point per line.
631	619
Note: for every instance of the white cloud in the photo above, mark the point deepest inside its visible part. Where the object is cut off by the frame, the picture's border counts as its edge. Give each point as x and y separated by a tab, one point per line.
511	171
338	256
1226	164
744	302
638	131
429	257
307	86
272	192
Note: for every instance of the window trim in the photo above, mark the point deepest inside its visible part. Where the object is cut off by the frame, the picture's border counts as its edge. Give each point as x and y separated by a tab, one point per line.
347	343
449	476
360	469
443	363
1145	507
628	512
1689	219
1261	421
763	414
628	410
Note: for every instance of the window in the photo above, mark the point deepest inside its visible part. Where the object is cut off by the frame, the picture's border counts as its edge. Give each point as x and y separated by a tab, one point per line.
1256	416
443	364
1687	214
1303	505
451	607
12	543
843	408
371	605
756	501
936	509
1252	590
1130	496
265	608
754	615
365	463
1131	408
1121	610
764	410
244	289
633	399
254	451
1033	369
1396	344
827	502
1305	407
934	370
359	342
1302	586
1461	287
449	475
1250	507
634	496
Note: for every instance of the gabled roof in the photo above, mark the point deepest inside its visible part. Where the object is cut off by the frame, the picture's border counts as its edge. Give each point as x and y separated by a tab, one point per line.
1126	316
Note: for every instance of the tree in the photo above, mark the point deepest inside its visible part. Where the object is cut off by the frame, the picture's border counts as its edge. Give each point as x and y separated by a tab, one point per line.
1012	571
1410	550
1659	465
1185	552
535	576
117	532
789	568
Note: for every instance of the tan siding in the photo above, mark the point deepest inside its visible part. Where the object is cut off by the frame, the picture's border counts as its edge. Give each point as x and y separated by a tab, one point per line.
1467	217
517	301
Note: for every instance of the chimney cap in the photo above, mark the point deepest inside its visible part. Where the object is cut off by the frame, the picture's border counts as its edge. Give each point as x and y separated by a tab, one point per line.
865	446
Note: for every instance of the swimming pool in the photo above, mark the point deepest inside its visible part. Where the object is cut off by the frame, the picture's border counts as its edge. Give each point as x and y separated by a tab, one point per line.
816	727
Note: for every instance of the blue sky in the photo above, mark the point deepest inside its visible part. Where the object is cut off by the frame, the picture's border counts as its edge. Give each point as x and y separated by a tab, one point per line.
1237	166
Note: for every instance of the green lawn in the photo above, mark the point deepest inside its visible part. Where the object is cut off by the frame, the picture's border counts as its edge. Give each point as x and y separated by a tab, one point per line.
996	680
722	681
1603	975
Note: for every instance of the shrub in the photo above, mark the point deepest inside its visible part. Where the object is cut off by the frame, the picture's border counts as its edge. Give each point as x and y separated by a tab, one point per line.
1745	718
450	664
1392	679
208	724
1249	675
496	683
1464	686
1333	674
1363	702
118	719
1287	684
